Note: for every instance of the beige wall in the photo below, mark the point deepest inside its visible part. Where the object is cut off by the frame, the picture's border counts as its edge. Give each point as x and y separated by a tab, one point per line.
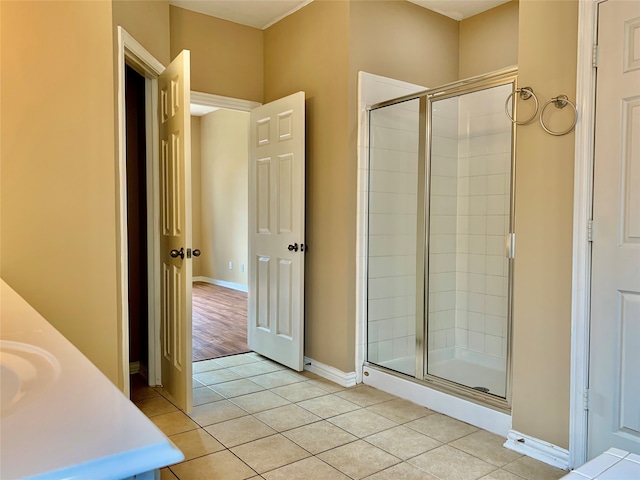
58	182
224	186
226	58
489	40
544	217
147	22
308	51
196	196
403	41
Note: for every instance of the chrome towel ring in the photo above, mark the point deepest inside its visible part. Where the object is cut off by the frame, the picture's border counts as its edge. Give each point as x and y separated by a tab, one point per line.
525	94
560	101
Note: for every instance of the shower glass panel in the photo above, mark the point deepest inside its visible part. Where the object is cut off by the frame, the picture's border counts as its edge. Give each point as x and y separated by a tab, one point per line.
392	241
468	224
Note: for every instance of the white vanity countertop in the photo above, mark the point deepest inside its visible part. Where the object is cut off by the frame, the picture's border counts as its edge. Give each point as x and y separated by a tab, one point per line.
78	426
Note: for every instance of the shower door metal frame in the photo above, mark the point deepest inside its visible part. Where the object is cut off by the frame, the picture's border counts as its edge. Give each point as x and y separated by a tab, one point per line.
426	98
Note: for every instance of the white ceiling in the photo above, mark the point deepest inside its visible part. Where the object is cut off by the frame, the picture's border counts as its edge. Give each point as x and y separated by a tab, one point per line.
253	13
264	13
459	9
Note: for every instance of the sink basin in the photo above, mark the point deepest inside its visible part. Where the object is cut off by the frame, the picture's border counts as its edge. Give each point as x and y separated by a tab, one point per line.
26	372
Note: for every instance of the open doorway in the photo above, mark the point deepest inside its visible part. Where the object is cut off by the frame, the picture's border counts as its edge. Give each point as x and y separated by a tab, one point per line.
219	165
136	210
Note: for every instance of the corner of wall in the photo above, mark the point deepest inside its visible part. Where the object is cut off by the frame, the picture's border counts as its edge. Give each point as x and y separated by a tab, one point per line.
542	281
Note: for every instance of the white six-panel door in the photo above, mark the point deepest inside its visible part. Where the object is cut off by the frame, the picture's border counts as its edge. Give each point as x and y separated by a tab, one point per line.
276	230
175	230
614	364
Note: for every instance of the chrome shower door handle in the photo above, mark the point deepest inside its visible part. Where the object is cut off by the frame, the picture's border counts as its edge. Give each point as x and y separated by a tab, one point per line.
510	248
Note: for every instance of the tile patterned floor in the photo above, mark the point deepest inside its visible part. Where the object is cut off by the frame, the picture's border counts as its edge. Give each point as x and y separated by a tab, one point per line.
254	419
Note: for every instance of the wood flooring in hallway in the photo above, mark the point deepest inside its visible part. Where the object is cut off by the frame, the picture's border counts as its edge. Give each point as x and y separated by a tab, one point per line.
219	321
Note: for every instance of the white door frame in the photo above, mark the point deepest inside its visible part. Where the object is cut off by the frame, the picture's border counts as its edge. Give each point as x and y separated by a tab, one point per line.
582	212
132	53
211	100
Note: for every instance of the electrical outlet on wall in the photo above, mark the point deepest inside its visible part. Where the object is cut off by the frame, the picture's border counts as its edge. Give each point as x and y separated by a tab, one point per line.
242	267
230	265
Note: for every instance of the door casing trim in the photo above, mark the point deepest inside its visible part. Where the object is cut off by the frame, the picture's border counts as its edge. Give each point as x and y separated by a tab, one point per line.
211	100
132	53
582	212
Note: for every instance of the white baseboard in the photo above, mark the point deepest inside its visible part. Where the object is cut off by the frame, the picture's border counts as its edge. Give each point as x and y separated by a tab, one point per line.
330	373
137	367
539	449
144	371
234	286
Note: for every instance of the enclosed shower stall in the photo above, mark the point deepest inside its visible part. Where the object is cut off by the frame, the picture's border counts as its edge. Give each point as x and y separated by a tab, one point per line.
440	241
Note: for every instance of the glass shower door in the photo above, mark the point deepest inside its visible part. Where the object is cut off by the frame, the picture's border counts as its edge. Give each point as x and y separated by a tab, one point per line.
468	224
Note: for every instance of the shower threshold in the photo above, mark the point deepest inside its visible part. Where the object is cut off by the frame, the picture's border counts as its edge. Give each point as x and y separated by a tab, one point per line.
473	408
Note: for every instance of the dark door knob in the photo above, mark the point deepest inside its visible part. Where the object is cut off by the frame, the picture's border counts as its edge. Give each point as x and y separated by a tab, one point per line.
196	252
176	253
293	248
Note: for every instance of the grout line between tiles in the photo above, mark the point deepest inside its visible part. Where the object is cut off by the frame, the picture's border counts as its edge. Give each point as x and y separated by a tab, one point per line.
336	394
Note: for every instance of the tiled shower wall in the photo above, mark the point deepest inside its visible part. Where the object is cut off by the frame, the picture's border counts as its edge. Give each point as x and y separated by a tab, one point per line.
470	205
443	207
484	183
393	186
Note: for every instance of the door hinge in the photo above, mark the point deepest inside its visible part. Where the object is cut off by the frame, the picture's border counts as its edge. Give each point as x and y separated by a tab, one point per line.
590	230
595	56
585	399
